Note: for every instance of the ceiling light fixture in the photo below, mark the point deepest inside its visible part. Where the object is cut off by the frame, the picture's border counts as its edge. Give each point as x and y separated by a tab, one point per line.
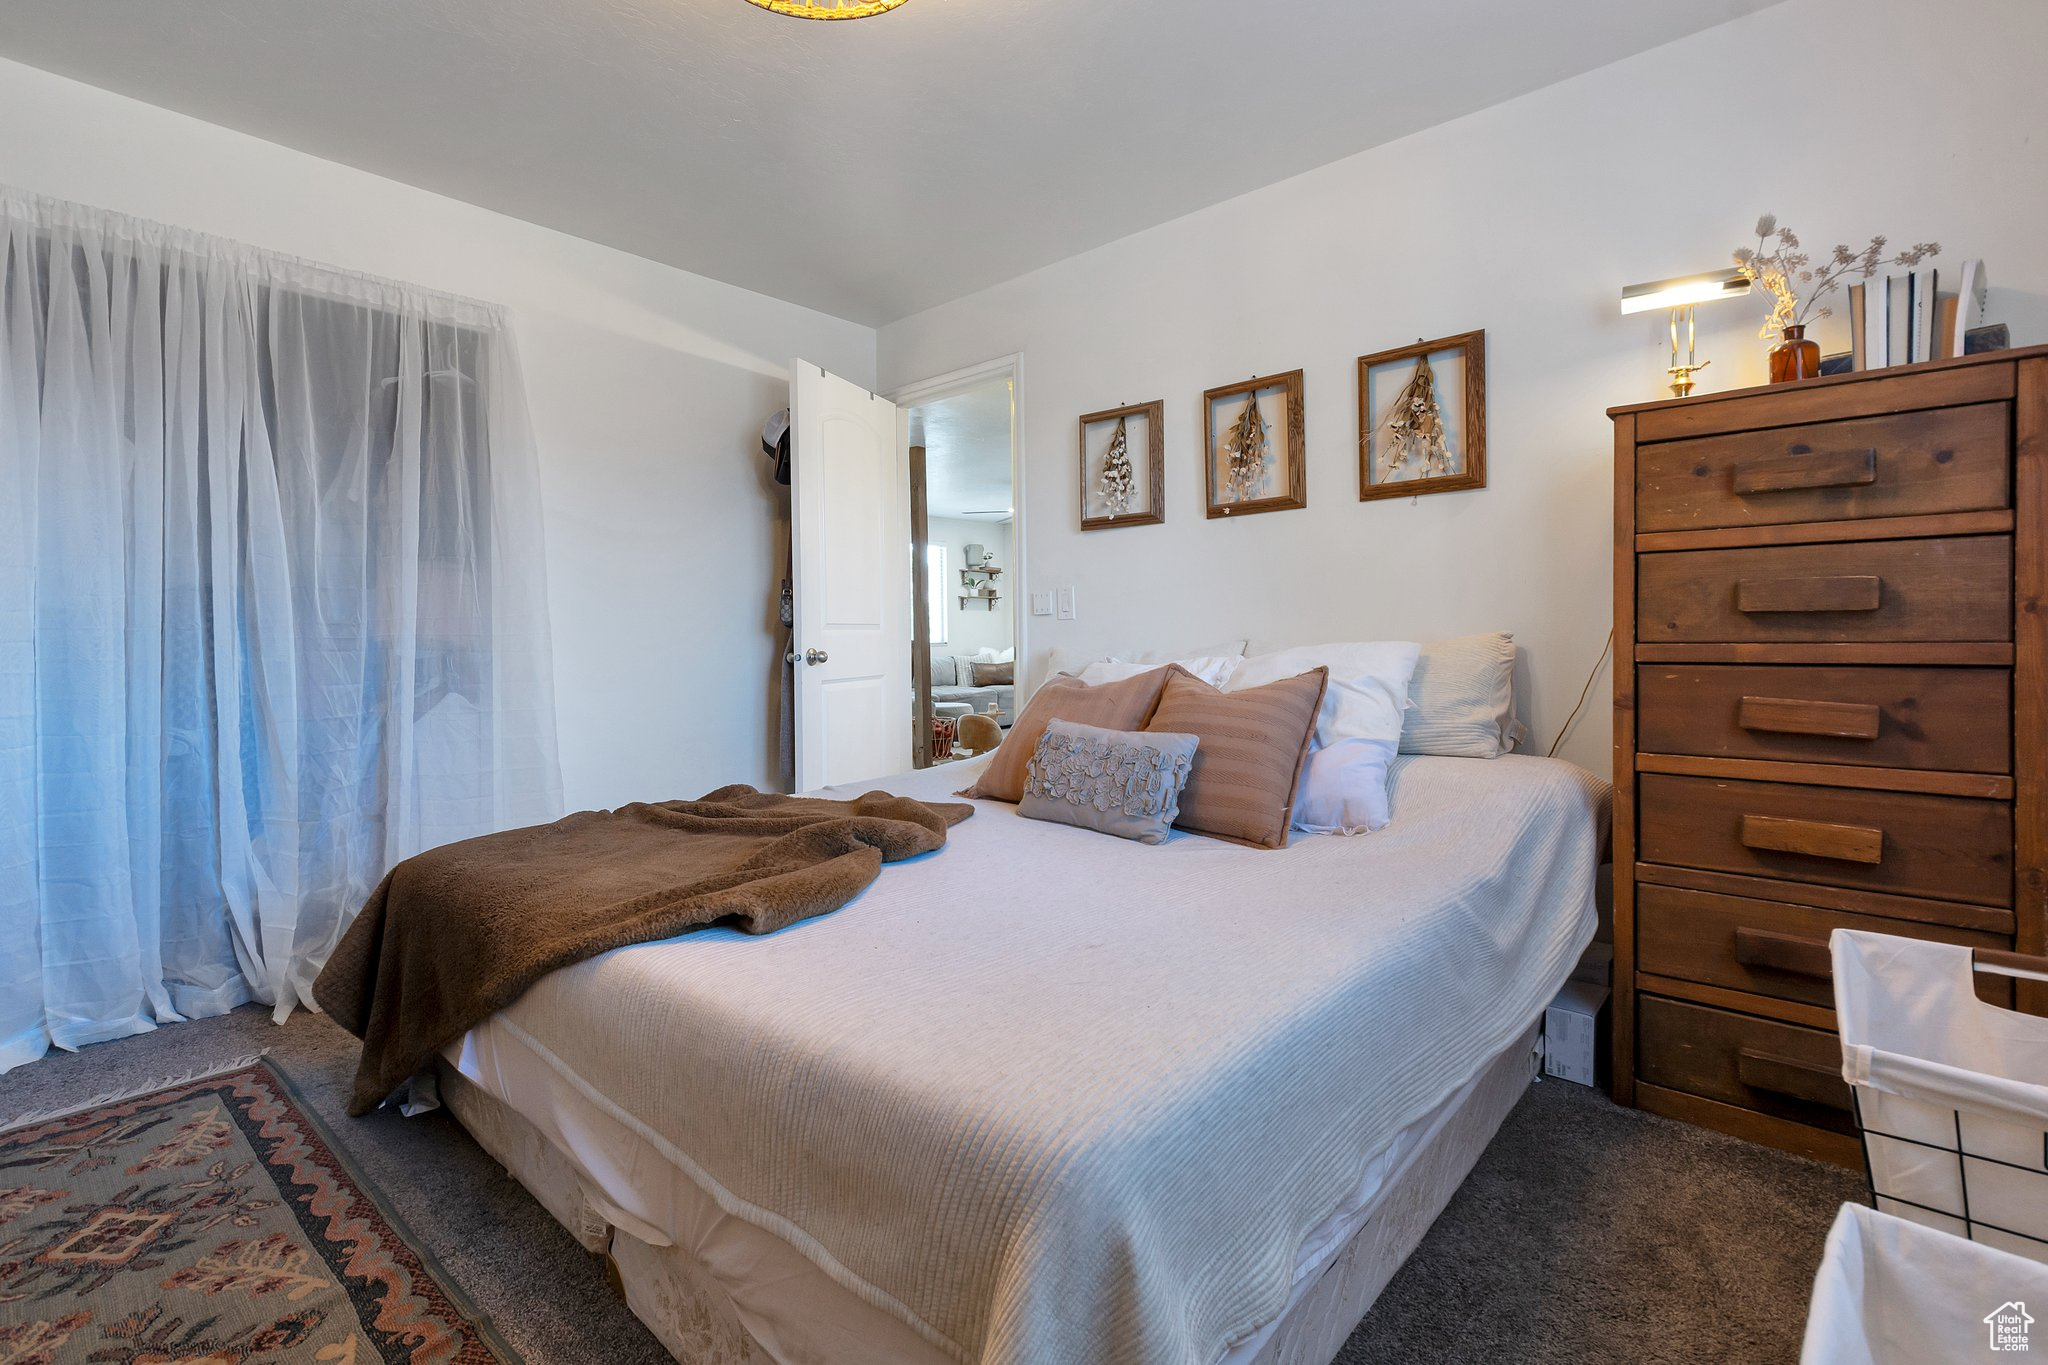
828	9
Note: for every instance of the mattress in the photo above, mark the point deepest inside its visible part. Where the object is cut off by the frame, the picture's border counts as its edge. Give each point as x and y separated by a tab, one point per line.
1049	1096
717	1290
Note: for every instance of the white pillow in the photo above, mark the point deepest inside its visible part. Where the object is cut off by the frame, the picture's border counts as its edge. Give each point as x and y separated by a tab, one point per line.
1461	699
1073	661
1343	788
1343	785
1227	649
1212	671
1368	684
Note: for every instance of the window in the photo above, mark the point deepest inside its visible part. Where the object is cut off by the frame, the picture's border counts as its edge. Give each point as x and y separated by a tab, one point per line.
936	590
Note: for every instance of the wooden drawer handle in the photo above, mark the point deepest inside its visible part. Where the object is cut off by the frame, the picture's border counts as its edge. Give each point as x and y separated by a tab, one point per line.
1802	469
1813	839
1843	592
1792	716
1784	953
1789	1076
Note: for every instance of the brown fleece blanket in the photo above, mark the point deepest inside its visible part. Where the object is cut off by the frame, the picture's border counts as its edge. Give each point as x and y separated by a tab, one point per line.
458	933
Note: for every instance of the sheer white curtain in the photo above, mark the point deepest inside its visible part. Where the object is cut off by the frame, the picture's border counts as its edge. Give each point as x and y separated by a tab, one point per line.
272	613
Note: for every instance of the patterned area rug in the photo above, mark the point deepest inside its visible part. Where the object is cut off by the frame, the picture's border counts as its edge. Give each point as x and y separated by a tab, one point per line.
212	1223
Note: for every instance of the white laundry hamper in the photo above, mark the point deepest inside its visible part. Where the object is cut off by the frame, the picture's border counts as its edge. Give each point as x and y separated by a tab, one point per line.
1890	1292
1951	1092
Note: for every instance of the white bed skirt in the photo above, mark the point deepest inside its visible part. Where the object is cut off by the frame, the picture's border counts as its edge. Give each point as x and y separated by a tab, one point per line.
722	1291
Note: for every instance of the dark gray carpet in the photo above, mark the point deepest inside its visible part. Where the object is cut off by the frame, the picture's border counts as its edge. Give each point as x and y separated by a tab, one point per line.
1594	1235
1588	1235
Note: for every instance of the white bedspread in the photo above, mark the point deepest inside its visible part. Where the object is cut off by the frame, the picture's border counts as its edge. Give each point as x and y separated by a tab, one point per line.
1048	1096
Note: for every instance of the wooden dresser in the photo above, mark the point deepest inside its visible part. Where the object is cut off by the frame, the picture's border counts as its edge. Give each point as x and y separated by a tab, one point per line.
1830	710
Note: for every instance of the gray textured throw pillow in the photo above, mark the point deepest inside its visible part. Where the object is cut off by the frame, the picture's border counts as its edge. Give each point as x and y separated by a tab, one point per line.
1461	698
1121	782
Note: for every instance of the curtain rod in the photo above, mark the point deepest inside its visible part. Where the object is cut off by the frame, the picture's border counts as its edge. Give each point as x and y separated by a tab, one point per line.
338	281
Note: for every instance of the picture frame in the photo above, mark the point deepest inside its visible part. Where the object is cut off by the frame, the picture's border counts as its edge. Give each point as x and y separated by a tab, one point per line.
1274	403
1393	464
1144	428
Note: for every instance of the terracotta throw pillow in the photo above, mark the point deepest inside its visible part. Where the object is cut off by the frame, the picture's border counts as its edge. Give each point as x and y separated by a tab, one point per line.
1125	705
1252	745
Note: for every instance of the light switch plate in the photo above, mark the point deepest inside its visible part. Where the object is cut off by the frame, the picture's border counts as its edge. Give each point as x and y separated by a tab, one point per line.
1041	604
1066	612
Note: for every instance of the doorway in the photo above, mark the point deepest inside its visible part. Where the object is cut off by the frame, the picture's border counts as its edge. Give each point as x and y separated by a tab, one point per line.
966	572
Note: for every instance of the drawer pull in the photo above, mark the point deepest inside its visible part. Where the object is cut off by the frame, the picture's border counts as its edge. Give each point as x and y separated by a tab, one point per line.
1791	473
1784	953
1813	839
1844	592
1792	716
1788	1076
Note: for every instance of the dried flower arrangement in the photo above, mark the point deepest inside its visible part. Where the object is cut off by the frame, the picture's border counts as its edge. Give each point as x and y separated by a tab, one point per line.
1409	442
1252	446
1415	429
1778	266
1246	452
1115	491
1119	480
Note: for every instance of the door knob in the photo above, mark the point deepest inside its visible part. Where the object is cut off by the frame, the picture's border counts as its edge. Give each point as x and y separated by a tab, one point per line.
814	657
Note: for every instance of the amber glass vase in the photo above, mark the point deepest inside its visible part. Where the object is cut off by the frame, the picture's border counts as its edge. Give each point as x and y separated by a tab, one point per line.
1794	357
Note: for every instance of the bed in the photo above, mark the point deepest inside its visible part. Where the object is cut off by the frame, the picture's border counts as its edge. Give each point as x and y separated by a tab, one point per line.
1047	1096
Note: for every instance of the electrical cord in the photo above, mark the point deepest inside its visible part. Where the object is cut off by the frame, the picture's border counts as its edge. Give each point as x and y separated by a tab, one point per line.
1584	692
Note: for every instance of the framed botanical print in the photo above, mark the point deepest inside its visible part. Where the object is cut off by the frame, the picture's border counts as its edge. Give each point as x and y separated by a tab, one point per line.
1422	418
1123	467
1253	456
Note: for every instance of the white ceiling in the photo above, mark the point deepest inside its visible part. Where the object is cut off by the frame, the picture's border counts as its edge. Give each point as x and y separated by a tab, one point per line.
869	169
966	436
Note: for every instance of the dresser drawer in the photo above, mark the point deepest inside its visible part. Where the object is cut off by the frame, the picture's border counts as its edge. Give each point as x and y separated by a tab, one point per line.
1899	464
1949	848
1768	948
1778	1069
1943	719
1952	588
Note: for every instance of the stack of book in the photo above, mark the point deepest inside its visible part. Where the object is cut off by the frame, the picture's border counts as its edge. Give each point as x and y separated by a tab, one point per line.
1908	317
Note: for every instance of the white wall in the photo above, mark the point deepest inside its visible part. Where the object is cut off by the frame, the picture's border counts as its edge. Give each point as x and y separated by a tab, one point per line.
648	387
1526	220
975	626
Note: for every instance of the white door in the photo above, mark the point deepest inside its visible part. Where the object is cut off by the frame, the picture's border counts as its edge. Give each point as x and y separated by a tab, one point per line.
851	507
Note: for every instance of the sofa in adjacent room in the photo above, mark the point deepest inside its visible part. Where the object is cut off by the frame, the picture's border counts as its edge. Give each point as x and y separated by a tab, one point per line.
953	680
